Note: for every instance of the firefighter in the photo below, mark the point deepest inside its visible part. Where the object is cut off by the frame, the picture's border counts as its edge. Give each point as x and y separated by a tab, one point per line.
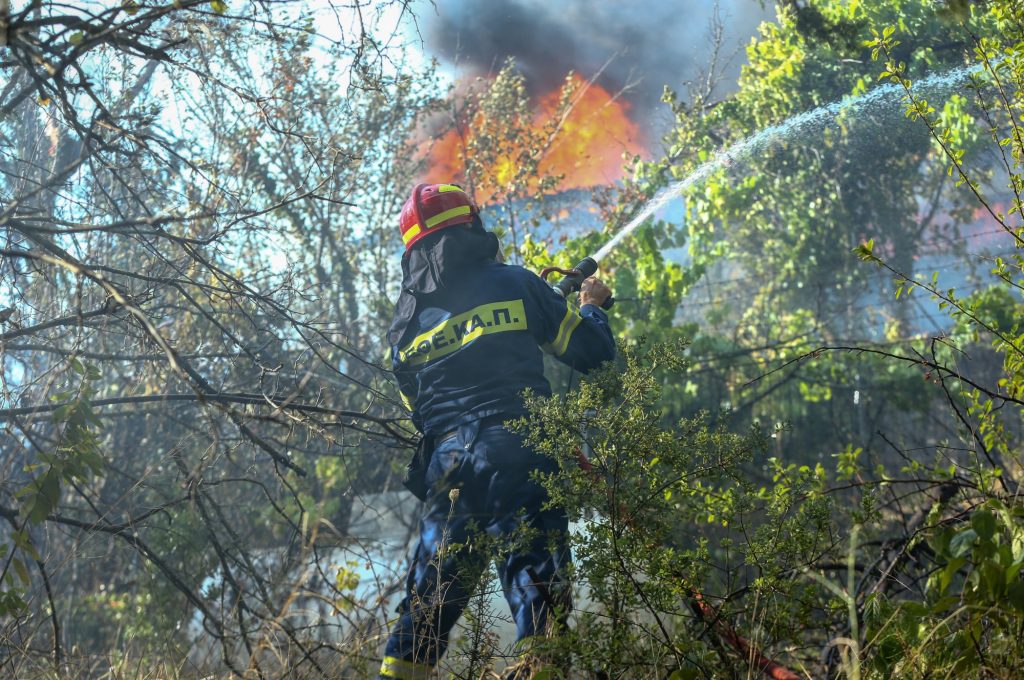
466	341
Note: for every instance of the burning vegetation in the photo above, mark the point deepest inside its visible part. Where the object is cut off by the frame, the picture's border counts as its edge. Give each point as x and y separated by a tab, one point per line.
501	143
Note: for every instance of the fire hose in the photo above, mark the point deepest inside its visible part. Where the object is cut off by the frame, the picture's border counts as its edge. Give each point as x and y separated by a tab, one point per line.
571	281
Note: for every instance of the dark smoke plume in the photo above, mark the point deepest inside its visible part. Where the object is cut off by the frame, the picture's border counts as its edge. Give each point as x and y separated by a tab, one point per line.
646	45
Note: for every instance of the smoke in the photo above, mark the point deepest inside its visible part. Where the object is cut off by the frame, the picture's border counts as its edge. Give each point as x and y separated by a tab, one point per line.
641	47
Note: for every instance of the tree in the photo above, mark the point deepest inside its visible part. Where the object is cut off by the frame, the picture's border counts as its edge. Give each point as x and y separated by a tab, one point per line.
902	557
769	235
185	185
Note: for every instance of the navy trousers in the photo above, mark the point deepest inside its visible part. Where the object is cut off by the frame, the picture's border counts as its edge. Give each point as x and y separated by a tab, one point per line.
496	499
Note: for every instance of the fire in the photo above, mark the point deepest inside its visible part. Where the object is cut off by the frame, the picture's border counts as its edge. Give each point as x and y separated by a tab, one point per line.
587	149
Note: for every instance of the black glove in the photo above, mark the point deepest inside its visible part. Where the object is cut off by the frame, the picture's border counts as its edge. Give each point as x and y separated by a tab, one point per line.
416	471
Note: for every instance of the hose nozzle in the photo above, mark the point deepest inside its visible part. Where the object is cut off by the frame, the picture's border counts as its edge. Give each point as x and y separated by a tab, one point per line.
574	278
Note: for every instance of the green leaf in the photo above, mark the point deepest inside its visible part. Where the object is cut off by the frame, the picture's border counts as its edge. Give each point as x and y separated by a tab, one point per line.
963	542
684	674
11	602
219	6
866	251
62	413
1015	595
939	541
984	524
76	38
23	542
992	581
46	497
21	570
949	571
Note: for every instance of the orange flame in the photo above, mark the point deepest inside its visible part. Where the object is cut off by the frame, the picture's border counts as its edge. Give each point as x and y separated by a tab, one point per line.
587	150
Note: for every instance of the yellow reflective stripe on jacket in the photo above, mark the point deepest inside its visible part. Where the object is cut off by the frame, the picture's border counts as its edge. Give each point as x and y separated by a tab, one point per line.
393	667
414	231
569	323
406	401
457	331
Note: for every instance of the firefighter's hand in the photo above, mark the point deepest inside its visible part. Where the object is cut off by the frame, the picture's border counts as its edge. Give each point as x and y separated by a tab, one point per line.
594	292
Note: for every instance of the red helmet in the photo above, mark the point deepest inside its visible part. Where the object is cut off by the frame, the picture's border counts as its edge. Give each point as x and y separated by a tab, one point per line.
433	207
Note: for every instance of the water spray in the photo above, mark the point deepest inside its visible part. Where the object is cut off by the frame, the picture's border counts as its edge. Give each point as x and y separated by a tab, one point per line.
764	138
573	278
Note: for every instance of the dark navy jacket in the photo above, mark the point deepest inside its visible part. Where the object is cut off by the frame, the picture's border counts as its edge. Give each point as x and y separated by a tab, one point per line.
471	349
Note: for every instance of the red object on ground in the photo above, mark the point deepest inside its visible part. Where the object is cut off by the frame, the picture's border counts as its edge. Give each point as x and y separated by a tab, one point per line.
752	654
771	668
583	461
